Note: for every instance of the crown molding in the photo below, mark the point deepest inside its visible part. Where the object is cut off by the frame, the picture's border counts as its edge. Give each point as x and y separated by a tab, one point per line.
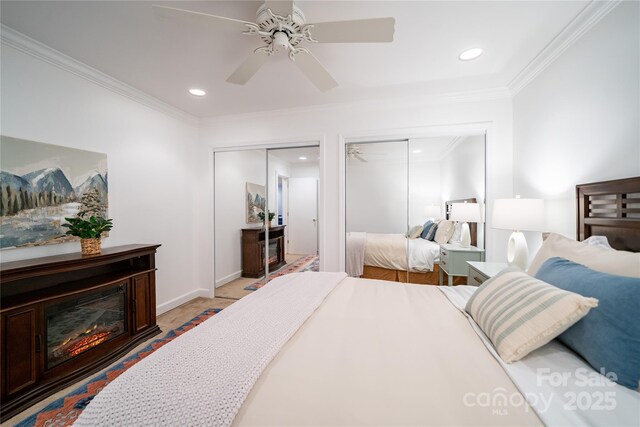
16	40
588	17
479	95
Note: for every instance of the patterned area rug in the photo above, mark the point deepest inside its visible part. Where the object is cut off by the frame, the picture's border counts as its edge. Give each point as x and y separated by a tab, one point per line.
64	411
306	263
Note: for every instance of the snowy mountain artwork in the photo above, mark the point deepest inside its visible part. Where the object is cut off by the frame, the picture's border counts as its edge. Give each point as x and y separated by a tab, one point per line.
40	185
256	199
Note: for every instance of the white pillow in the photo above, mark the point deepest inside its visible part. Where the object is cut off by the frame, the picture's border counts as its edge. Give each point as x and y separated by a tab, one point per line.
444	232
610	261
520	313
414	232
457	233
598	241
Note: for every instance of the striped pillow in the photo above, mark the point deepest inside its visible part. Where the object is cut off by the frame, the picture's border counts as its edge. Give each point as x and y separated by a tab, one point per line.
431	233
520	313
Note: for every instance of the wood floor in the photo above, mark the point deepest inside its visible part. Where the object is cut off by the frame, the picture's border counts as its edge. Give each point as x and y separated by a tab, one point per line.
235	289
225	296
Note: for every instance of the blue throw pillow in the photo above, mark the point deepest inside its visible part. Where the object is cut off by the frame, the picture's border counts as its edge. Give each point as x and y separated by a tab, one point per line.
609	336
431	235
425	229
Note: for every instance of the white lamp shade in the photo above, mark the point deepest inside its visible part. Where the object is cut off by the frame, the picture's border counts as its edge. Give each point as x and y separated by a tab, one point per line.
433	211
518	214
465	212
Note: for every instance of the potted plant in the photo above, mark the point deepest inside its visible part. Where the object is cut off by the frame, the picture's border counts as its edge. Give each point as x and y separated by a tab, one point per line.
266	223
89	231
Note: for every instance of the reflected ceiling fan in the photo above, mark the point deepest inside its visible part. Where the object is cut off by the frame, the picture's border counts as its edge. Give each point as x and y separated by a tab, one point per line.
281	24
354	152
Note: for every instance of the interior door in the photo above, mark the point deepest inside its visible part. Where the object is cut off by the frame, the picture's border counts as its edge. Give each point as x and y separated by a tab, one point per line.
303	216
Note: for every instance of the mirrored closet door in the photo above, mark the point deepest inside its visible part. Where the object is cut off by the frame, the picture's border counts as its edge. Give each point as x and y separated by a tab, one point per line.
408	204
266	216
240	240
376	195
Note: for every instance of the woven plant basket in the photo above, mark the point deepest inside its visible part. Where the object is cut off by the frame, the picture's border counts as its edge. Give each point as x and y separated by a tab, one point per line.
90	246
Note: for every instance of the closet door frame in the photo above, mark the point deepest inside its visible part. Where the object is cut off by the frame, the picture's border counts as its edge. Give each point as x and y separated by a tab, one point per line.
459	129
318	141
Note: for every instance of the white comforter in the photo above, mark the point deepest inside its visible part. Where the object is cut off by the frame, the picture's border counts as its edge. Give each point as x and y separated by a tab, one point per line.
373	353
391	251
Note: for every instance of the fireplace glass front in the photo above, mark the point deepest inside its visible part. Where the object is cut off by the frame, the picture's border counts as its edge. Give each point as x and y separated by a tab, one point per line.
78	324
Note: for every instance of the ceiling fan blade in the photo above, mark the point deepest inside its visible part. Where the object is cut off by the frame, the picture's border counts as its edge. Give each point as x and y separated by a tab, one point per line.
359	157
200	17
315	71
280	7
375	30
248	68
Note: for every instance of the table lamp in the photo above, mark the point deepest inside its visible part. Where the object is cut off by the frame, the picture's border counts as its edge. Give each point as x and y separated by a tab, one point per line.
518	215
433	212
465	213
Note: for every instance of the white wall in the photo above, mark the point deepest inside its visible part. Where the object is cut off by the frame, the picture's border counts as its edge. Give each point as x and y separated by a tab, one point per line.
463	174
331	123
305	170
233	169
424	189
579	120
379	192
151	161
376	191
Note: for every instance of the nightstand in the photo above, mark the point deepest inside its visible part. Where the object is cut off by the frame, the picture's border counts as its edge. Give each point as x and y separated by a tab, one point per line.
453	260
479	272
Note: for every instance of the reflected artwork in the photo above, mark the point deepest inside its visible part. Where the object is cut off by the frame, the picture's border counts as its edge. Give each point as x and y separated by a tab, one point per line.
256	198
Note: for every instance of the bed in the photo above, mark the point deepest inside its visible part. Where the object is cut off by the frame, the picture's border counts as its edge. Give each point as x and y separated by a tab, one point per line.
326	349
395	258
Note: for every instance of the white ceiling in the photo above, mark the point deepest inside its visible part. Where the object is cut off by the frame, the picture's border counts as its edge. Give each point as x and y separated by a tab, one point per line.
165	57
292	155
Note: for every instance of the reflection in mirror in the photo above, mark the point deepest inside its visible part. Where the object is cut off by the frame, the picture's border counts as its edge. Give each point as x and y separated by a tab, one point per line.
376	210
399	219
240	200
445	172
294	175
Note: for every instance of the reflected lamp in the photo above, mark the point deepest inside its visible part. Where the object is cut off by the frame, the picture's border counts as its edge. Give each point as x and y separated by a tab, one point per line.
433	212
465	213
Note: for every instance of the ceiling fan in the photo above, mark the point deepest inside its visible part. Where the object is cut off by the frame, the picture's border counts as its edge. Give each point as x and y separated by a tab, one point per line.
354	152
281	24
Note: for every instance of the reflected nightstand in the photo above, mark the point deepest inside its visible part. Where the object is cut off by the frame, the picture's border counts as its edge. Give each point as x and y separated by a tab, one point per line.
453	260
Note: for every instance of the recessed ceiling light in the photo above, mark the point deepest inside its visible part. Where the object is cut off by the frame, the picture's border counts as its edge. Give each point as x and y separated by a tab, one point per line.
302	158
470	54
417	151
197	92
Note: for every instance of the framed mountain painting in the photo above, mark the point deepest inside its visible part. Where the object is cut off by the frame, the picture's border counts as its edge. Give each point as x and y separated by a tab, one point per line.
256	199
41	184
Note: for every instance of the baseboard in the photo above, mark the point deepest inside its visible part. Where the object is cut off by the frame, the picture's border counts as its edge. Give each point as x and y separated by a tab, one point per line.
231	277
171	304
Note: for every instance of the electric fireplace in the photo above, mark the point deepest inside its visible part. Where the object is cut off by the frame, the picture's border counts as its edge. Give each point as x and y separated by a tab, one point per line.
76	325
65	317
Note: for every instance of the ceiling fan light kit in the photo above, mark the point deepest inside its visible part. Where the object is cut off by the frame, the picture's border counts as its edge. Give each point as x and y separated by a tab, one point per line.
281	24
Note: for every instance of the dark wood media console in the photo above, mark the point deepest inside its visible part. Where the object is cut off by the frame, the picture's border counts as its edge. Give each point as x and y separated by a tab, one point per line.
65	317
253	250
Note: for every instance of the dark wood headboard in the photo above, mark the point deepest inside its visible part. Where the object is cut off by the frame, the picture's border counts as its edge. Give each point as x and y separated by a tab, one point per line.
473	227
611	209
